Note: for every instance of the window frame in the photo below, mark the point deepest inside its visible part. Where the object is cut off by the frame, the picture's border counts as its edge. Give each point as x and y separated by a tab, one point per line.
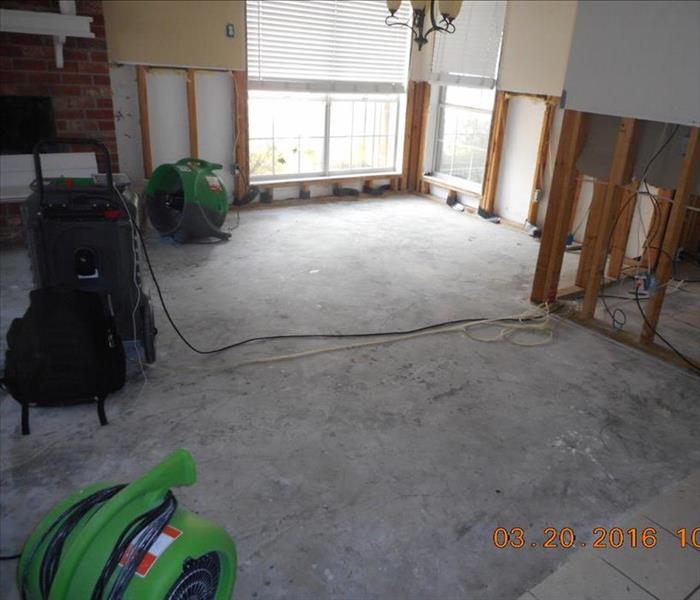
399	101
437	132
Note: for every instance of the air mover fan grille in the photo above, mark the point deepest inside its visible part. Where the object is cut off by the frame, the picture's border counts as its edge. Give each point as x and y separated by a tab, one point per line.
199	579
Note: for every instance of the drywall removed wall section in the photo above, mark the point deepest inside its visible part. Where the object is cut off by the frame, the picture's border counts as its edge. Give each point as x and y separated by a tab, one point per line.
167	111
126	120
215	122
641	220
519	157
536	41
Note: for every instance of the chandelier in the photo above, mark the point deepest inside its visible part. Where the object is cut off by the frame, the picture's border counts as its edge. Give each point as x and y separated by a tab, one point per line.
449	9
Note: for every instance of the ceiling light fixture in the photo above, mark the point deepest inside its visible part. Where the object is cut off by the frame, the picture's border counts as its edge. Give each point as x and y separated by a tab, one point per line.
449	9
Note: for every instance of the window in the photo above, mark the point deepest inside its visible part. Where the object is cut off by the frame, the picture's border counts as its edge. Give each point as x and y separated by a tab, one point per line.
464	123
294	134
327	82
464	69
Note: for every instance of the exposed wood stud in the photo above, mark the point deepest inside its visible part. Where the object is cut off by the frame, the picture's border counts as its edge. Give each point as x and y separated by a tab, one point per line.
657	228
142	90
495	151
591	234
559	207
574	207
422	140
690	239
408	134
674	228
620	173
541	164
192	112
416	134
241	149
621	233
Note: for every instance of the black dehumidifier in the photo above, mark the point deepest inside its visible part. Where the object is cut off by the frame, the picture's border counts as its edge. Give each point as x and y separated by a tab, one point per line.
80	236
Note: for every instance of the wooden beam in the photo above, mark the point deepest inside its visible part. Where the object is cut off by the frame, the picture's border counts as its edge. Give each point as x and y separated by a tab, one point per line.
423	139
192	113
591	234
542	155
408	135
620	173
664	270
241	147
621	233
690	239
559	207
657	228
416	134
142	90
495	151
574	208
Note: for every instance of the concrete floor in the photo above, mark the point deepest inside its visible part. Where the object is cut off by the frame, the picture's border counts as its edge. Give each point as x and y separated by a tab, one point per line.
371	473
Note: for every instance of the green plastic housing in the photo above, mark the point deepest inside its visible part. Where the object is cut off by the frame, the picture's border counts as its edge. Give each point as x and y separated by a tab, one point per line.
197	179
89	545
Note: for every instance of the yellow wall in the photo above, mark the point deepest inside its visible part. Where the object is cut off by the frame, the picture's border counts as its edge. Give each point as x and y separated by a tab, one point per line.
183	33
536	42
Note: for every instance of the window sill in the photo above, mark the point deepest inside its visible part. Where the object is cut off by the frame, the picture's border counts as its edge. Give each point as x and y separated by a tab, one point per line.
372	176
449	185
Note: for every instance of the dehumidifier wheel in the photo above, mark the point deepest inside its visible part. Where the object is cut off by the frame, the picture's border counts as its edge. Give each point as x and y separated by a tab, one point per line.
199	579
149	334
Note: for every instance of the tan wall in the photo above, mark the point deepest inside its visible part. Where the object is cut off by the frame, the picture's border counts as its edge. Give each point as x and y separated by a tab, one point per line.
536	43
183	33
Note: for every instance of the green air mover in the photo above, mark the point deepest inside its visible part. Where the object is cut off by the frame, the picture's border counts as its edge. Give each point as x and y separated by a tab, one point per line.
187	200
129	542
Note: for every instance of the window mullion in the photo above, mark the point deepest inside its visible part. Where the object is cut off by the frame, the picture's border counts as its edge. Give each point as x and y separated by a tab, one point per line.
327	136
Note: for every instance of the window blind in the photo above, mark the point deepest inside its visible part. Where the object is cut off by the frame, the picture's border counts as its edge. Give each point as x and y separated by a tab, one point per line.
326	46
470	55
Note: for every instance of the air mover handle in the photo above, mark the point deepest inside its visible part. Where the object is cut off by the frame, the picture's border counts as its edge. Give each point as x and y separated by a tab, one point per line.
176	470
41	144
204	164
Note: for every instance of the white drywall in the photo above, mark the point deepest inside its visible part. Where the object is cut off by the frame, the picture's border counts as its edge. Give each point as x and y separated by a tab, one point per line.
549	169
126	120
215	123
536	41
636	59
167	112
519	158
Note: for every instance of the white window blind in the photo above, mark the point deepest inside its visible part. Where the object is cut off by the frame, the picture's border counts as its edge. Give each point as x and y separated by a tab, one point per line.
326	46
470	55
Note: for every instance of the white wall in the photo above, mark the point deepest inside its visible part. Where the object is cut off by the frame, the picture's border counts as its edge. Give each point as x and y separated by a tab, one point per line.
637	59
536	41
215	122
167	113
519	158
126	120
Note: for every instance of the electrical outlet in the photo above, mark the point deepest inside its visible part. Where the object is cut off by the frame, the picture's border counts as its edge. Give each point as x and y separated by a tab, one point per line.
230	30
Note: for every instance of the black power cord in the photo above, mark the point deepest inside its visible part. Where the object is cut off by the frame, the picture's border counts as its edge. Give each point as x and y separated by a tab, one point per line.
141	532
663	339
289	336
56	535
10	557
614	315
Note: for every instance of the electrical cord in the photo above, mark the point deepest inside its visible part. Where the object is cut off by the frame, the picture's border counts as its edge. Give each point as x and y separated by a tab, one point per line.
56	535
662	338
140	533
192	347
10	557
614	315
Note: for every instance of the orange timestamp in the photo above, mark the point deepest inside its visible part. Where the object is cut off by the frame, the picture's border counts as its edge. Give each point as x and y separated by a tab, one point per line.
603	537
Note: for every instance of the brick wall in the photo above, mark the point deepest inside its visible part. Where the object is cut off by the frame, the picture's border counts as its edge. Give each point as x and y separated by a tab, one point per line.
80	91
